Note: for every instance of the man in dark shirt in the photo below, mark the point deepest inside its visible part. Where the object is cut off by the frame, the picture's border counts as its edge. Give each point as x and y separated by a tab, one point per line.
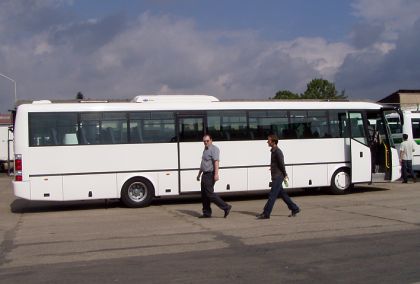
278	174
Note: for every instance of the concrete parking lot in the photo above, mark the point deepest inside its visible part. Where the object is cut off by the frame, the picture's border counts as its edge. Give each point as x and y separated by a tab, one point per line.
370	236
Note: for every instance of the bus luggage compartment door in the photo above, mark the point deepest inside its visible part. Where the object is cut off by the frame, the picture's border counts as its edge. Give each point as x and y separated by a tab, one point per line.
361	162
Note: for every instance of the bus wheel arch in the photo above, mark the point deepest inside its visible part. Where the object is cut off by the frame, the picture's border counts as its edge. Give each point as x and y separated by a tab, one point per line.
137	192
341	181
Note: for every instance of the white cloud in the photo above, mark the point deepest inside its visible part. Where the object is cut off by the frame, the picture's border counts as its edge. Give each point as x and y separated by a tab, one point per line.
394	15
387	56
159	54
325	57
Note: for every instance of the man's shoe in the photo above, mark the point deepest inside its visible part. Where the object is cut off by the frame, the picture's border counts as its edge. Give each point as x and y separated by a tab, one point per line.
405	181
262	216
294	213
204	216
227	211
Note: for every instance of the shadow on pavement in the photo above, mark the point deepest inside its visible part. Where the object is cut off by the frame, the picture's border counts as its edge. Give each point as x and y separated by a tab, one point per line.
26	206
190	212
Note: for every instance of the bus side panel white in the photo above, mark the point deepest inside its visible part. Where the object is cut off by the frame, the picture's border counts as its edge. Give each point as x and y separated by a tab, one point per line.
92	186
190	155
361	163
47	188
168	183
189	181
240	153
314	151
22	189
101	158
232	153
150	176
310	175
232	180
396	167
259	178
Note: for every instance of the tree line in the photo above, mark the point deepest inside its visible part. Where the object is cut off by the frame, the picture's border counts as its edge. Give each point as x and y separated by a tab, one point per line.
317	89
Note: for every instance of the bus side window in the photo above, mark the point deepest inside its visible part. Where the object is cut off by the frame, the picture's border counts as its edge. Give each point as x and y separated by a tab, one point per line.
50	129
338	124
357	127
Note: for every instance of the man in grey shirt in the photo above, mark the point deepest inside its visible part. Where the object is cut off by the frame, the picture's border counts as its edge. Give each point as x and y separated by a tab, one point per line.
209	173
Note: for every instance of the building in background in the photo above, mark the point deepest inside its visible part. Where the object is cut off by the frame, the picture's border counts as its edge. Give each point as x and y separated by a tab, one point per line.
406	99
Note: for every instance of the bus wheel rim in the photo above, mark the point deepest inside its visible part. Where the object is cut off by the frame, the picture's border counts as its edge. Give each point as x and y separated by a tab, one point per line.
137	191
342	180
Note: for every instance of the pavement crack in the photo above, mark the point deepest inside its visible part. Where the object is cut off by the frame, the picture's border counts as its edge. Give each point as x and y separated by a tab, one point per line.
370	215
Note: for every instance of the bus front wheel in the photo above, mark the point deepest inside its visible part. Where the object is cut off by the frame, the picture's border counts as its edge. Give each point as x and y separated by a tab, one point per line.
340	181
137	192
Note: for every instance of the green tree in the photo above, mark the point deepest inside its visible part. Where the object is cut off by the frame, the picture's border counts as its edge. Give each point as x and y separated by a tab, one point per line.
286	95
320	89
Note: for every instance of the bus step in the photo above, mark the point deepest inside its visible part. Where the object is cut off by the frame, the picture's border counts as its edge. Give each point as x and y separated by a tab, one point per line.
378	177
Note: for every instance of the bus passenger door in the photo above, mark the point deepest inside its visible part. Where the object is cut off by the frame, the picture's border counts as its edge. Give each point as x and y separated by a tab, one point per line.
361	162
190	149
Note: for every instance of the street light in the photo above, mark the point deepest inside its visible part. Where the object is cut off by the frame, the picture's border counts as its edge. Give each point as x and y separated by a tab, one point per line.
14	83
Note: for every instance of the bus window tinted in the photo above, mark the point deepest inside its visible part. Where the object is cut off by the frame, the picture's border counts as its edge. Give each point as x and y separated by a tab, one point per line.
50	129
299	126
191	129
318	124
338	124
114	128
357	127
264	123
152	127
228	125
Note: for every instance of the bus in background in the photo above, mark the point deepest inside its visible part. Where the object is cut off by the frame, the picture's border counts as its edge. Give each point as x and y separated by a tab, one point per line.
152	146
410	125
6	143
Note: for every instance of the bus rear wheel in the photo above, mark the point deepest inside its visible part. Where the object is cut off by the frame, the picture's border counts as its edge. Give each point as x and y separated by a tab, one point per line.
137	192
340	181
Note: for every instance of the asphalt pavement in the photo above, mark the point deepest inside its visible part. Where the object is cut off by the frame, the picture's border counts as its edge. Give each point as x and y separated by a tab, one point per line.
368	236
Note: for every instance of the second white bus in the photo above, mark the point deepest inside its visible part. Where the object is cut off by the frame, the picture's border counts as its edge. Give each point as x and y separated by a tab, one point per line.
410	125
136	151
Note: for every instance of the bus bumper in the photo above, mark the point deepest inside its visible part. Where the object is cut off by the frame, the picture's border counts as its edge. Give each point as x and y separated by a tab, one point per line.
22	189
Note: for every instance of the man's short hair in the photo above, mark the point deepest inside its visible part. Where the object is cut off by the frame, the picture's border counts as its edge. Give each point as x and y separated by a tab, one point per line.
208	135
405	136
273	138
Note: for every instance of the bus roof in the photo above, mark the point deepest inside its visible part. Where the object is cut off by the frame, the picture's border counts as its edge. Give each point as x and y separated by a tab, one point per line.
196	105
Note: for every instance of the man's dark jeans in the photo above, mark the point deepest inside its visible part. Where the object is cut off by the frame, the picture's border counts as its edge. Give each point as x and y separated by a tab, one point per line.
208	195
278	191
407	167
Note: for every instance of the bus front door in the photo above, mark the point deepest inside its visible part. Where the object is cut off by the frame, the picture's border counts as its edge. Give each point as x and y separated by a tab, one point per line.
361	161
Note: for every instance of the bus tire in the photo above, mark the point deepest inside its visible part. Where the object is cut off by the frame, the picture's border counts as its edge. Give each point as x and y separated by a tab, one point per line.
137	192
340	181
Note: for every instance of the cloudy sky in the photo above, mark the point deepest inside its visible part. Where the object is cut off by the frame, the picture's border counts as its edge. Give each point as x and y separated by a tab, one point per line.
230	49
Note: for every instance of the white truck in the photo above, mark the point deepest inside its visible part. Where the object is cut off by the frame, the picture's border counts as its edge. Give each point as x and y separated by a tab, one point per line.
6	146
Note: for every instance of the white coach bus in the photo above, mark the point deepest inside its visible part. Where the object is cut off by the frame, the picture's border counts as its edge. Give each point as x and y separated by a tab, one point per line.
152	147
